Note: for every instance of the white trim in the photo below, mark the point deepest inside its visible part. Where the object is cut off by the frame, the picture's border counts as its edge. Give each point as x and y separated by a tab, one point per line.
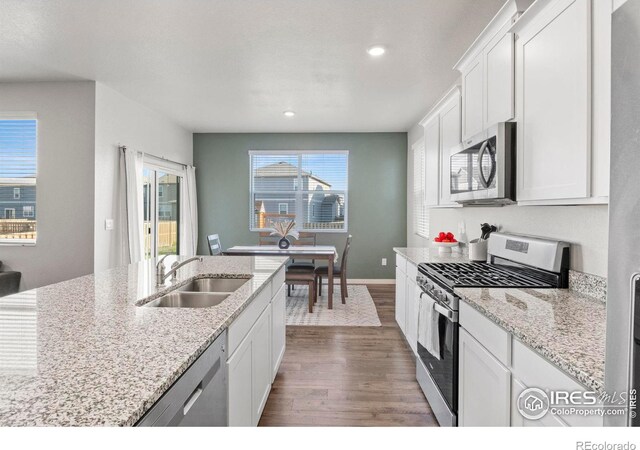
18	115
456	89
17	242
296	152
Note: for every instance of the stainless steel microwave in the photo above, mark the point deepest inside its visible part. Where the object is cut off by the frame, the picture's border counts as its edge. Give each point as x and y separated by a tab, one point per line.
482	169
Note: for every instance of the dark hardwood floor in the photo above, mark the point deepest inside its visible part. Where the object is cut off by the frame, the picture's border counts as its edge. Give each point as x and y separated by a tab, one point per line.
349	376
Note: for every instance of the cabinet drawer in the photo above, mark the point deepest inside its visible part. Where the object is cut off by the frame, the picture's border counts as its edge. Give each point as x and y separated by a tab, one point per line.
412	272
536	371
401	263
278	281
490	335
240	327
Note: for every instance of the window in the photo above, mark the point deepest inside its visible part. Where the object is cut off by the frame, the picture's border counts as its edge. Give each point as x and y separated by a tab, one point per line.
161	202
309	187
18	142
420	211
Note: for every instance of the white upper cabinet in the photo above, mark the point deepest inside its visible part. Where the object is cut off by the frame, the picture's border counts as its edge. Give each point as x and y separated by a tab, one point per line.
499	79
450	138
487	73
554	108
432	160
472	93
441	133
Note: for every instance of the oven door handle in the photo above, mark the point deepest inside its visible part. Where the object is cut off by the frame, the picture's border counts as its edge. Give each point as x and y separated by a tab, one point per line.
452	316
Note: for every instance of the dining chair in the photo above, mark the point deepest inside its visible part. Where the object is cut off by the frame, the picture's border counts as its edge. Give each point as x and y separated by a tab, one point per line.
215	248
338	271
265	238
304	239
302	277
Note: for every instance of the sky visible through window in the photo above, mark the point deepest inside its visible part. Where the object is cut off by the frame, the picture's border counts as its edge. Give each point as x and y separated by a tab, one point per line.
17	148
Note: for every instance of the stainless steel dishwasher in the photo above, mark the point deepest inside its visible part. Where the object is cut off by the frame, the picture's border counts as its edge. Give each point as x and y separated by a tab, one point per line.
199	397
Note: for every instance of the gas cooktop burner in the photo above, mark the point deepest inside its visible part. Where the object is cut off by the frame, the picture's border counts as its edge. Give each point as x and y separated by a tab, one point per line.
487	275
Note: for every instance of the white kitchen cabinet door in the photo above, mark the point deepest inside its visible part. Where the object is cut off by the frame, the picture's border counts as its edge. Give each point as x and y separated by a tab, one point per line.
449	138
499	74
240	392
472	98
401	289
517	420
278	329
413	293
484	385
261	367
554	103
432	161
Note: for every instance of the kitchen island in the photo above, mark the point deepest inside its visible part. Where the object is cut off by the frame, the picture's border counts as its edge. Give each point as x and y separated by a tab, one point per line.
85	353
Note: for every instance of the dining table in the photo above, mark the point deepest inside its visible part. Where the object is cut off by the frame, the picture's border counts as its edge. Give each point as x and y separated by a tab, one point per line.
313	252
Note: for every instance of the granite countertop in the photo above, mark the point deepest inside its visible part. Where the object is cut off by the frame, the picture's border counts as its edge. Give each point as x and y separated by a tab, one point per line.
565	326
417	255
81	353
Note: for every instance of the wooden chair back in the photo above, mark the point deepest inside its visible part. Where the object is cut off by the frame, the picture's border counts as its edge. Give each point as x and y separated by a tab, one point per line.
306	238
345	256
215	248
265	238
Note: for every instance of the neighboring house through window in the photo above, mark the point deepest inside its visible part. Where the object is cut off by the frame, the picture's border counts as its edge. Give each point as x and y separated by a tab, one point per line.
18	153
309	187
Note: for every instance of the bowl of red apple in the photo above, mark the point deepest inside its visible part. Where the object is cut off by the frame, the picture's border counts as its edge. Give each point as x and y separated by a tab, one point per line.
445	242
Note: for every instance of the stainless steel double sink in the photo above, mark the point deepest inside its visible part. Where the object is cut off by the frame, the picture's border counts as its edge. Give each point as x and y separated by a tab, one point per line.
200	293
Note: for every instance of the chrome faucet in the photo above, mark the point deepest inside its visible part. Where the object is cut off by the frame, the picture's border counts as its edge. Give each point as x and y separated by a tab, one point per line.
161	276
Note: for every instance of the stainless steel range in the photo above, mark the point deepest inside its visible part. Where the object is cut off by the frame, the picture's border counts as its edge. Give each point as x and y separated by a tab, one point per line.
514	262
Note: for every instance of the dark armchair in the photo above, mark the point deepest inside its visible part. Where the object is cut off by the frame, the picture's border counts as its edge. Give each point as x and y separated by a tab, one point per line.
9	282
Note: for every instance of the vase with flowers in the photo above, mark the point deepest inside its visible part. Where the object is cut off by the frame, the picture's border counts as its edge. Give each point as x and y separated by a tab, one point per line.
283	230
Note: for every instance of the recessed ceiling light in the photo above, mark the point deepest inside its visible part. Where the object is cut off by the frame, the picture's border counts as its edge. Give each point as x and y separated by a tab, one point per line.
376	50
289	113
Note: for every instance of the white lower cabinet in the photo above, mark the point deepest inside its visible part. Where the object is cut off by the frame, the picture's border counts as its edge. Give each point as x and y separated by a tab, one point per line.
240	395
401	291
261	367
411	314
278	328
494	369
250	374
517	420
484	386
256	342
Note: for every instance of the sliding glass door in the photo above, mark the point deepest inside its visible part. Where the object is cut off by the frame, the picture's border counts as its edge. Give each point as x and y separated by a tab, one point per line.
161	191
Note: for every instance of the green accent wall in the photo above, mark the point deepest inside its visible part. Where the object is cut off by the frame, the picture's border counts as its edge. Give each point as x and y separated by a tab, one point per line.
377	212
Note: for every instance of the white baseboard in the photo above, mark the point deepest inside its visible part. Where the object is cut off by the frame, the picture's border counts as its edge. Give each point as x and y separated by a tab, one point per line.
371	281
363	281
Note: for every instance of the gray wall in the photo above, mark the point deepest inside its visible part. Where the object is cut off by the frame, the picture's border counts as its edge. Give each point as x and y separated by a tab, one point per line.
377	191
65	187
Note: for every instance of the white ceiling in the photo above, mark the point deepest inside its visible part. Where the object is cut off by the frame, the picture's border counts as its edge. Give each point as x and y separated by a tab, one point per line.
236	65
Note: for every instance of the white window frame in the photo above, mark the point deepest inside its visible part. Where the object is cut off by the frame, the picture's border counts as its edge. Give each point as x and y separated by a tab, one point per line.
31	213
9	209
299	192
286	208
156	165
26	115
16	193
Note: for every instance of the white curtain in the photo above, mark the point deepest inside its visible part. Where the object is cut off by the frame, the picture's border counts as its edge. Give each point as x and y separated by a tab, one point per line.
133	167
189	214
